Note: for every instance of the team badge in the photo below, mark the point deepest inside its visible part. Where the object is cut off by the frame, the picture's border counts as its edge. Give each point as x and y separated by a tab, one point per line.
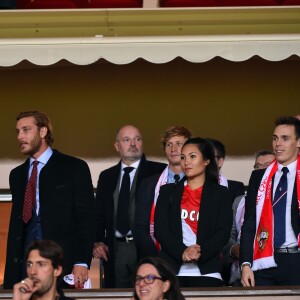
262	239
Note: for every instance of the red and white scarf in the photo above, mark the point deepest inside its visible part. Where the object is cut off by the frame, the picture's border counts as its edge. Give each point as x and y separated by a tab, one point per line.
223	180
263	256
239	218
163	179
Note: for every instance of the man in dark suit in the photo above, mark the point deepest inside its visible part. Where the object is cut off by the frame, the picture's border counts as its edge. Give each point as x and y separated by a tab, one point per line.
236	188
116	245
172	141
61	203
270	237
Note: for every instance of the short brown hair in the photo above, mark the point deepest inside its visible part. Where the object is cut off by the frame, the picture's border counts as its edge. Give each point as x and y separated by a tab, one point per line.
42	120
50	250
174	131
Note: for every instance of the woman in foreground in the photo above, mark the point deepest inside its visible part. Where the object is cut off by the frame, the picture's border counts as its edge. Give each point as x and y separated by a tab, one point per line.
193	218
155	280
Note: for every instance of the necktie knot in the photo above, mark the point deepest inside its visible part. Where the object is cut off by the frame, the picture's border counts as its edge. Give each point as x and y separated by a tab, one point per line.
176	178
127	170
285	170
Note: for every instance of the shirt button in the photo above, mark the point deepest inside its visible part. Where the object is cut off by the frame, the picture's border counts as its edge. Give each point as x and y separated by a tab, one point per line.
15	260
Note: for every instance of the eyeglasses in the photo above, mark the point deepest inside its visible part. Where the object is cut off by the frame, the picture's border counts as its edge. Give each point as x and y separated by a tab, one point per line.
148	279
129	141
261	166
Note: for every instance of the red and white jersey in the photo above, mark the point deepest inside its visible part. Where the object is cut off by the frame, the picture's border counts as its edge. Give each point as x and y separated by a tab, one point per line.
190	206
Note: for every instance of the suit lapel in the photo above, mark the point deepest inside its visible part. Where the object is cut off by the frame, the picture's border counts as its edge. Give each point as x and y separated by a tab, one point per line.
21	184
204	208
141	171
175	204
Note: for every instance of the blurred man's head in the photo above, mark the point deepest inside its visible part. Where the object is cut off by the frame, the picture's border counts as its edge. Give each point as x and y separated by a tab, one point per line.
220	152
263	159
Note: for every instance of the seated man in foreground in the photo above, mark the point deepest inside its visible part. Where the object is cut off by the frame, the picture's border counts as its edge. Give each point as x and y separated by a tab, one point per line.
44	266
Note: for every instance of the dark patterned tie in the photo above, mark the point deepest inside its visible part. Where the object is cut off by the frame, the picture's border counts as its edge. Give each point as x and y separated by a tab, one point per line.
176	178
279	209
30	194
123	203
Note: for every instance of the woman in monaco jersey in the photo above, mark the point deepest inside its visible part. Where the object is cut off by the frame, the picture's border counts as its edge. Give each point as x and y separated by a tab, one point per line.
193	218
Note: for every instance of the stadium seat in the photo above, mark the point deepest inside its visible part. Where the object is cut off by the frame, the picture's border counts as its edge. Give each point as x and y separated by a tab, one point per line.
188	3
45	4
109	3
291	2
248	3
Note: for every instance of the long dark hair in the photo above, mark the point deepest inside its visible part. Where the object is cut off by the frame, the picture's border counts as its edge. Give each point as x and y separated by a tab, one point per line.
206	148
166	273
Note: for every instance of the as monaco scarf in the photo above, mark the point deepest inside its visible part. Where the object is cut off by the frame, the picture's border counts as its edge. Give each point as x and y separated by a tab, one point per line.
263	256
161	181
222	180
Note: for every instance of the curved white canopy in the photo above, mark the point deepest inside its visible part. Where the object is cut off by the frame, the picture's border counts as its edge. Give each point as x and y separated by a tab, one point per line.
160	49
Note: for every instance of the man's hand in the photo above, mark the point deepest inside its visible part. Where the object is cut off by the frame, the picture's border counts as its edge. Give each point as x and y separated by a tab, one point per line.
100	251
80	276
24	289
235	251
191	253
247	276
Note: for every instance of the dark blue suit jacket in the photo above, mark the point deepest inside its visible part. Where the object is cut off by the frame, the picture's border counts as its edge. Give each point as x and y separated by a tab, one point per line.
67	210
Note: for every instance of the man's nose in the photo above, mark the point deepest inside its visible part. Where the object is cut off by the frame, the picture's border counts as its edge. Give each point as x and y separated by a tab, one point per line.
31	270
19	136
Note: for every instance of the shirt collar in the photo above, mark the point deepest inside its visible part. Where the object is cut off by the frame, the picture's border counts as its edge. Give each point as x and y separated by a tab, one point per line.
171	175
292	167
44	157
134	165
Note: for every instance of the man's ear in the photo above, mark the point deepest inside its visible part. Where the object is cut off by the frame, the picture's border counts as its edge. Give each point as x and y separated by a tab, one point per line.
116	144
57	271
43	132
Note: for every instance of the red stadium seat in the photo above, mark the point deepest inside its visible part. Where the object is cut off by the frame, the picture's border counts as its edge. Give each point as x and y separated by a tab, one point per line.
248	3
45	4
291	2
109	3
188	3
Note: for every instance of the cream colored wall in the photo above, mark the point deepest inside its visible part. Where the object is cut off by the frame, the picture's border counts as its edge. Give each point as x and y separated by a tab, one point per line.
237	168
235	102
